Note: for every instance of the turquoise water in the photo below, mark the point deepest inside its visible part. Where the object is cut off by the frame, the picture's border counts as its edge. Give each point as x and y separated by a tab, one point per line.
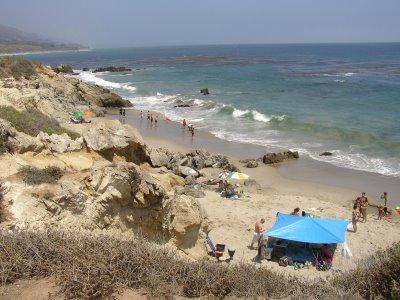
343	98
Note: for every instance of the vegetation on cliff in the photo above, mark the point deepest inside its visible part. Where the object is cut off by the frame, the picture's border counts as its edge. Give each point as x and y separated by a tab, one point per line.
33	122
95	267
17	67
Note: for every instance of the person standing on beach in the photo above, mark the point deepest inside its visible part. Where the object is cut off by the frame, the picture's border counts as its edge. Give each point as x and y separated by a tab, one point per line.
192	130
120	111
354	217
141	114
155	120
148	115
184	123
151	119
124	112
258	232
363	207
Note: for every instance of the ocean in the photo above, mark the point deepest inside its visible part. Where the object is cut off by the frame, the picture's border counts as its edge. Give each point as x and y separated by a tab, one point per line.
341	98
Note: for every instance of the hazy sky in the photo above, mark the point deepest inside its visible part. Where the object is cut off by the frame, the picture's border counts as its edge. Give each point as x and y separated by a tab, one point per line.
118	23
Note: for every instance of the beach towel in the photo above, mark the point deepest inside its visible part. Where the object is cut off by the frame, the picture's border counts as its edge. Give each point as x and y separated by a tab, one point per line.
211	244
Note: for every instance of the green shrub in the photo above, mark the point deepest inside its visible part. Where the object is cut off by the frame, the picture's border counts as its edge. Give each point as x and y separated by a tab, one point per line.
32	122
17	67
33	176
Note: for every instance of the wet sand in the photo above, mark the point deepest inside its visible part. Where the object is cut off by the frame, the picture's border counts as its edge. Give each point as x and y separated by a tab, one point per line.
305	169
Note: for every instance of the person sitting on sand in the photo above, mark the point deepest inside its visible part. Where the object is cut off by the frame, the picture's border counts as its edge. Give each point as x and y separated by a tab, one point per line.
363	206
258	232
295	212
354	217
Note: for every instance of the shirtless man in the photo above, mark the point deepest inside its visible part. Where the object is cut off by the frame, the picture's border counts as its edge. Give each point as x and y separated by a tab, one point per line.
295	212
363	206
258	232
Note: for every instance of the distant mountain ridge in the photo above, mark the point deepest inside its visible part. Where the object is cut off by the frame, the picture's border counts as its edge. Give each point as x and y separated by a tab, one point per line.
13	40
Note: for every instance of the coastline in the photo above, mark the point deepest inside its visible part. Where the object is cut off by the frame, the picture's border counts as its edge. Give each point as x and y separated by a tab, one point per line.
44	52
314	174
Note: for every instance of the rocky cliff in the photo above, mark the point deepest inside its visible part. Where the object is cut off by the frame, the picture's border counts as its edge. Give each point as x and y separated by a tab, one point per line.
107	177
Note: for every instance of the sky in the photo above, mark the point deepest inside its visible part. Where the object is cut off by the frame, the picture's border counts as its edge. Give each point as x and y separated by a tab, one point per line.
126	23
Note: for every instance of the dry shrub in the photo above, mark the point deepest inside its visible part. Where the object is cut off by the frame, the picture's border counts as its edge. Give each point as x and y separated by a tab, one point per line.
17	67
95	267
3	215
33	176
33	121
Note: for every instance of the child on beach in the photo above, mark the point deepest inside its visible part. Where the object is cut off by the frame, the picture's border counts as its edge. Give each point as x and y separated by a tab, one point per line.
141	114
184	123
381	212
295	212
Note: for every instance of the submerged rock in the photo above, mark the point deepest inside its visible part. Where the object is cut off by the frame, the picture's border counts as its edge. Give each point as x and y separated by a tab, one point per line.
252	164
205	91
326	153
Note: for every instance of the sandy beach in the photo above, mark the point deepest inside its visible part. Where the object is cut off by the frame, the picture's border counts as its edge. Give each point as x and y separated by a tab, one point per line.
233	220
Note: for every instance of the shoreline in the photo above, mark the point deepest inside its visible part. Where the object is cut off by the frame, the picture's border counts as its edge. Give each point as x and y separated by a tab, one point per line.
305	170
43	52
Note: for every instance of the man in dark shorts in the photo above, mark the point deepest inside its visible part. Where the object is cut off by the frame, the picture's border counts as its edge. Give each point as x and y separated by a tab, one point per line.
363	206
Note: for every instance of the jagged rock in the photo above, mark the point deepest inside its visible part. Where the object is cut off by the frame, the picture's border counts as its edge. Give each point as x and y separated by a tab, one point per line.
60	143
126	184
71	196
183	105
188	223
16	141
85	69
205	91
110	138
252	164
112	69
326	153
273	158
190	180
192	191
198	162
158	157
163	170
100	96
184	161
63	68
186	171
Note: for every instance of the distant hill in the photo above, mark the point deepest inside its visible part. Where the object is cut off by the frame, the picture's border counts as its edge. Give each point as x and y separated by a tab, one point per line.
14	40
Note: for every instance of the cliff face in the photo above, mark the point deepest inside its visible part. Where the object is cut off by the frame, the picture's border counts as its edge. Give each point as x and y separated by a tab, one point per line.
104	178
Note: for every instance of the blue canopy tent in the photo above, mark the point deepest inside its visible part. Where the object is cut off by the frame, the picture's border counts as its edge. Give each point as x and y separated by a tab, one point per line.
308	230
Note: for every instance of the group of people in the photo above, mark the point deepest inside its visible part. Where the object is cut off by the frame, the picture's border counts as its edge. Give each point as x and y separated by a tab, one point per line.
150	118
189	126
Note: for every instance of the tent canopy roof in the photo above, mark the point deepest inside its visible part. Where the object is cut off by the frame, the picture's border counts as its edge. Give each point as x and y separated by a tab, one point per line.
308	230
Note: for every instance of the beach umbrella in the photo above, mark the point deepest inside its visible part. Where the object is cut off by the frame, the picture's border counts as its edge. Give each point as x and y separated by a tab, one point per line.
237	176
78	115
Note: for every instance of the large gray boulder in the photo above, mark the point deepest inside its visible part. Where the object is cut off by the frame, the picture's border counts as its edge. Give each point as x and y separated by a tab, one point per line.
63	68
110	138
126	184
60	143
186	171
159	157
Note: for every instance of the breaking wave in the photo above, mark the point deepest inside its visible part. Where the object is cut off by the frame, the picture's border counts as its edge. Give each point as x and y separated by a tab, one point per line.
90	77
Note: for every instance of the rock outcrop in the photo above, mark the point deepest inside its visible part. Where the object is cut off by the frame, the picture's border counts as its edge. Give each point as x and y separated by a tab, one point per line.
273	158
110	138
326	153
112	69
60	143
66	69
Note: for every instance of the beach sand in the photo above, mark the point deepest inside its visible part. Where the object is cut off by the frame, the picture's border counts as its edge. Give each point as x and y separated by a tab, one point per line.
233	220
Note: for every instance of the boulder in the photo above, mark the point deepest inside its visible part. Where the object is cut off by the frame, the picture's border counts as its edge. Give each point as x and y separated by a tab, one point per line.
112	69
191	190
124	183
252	164
326	153
158	157
85	69
63	68
205	91
186	171
187	223
16	141
273	158
71	196
111	138
60	143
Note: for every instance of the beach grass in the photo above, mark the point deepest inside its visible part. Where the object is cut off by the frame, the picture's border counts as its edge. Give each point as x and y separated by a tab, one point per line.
98	266
32	122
